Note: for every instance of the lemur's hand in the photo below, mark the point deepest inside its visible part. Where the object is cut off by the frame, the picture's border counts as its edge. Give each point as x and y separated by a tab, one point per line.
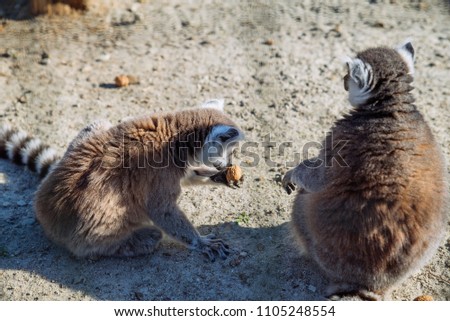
220	177
211	246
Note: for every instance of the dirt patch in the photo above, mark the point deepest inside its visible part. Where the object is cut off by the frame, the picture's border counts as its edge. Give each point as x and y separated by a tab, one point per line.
277	65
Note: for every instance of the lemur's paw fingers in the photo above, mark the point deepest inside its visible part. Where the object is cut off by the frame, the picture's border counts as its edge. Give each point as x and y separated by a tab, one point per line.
220	177
287	183
213	246
289	188
209	237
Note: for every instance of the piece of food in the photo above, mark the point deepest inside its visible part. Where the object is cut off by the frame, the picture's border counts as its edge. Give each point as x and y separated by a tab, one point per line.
424	298
122	81
234	174
125	80
231	176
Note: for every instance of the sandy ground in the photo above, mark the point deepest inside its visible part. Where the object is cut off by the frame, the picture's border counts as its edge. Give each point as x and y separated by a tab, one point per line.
56	76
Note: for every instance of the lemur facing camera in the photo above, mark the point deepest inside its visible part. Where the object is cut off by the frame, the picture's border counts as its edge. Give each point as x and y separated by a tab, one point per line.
114	192
372	208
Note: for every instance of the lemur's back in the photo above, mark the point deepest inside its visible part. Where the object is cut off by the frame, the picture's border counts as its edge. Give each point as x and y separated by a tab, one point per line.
383	214
375	210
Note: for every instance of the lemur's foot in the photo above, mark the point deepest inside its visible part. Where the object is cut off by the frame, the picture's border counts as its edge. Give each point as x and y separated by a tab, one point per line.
211	246
336	291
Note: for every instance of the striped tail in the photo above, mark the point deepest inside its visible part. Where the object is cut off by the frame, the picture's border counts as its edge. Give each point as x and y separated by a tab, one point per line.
23	149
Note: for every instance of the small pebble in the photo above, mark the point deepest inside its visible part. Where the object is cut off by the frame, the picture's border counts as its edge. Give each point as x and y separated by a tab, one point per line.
235	262
86	68
45	59
311	288
260	247
21	203
424	298
79	280
28	221
135	7
121	81
243	254
139	296
104	57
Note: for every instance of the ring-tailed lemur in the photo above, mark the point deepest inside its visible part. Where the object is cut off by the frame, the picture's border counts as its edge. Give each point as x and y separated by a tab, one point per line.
372	207
114	191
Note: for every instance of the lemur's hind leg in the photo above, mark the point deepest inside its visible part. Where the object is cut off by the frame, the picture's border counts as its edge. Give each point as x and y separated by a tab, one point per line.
336	291
142	242
175	224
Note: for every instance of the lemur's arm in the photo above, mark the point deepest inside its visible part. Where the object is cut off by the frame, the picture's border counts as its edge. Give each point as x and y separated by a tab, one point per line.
172	221
308	176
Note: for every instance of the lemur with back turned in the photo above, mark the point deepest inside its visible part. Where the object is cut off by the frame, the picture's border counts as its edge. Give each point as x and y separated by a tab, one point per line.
372	220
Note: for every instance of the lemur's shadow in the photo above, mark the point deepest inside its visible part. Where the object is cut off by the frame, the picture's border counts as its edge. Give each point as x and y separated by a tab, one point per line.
263	265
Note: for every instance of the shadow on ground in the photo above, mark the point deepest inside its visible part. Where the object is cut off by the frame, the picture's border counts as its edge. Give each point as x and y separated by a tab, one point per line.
263	265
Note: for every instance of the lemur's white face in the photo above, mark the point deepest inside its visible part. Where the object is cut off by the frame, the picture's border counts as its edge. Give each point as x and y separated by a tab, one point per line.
359	81
221	141
219	146
217	151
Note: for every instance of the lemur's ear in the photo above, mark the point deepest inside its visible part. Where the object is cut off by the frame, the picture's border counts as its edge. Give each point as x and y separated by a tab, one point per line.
225	133
406	50
214	103
360	72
